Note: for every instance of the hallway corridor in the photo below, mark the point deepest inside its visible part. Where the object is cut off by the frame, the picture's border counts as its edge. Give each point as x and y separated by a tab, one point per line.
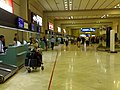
73	69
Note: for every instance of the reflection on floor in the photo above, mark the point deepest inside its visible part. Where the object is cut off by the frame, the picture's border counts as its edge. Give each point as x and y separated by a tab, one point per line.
76	69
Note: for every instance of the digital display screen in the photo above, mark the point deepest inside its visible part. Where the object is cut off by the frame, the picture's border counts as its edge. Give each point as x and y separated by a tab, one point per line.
39	29
32	27
50	26
38	19
88	29
20	22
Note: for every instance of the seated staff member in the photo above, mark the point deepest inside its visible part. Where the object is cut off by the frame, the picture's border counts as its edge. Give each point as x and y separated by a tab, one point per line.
1	44
16	42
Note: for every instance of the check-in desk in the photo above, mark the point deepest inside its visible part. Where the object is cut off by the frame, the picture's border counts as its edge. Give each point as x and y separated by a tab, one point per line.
15	55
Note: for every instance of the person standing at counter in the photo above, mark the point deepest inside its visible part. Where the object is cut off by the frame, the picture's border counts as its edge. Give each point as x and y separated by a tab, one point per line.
1	44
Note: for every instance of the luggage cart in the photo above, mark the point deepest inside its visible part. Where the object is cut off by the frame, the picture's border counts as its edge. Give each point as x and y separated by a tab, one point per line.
32	62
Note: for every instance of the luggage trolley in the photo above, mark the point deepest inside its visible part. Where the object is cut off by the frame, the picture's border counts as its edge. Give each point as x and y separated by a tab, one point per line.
33	61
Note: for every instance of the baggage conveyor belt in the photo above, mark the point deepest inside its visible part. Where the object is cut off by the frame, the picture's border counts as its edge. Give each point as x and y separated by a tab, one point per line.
6	71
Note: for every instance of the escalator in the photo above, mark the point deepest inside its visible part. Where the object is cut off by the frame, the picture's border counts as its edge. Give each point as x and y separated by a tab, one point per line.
6	71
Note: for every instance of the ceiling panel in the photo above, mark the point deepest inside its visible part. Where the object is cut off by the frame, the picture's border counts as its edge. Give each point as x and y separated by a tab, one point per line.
57	5
84	4
94	16
85	17
77	17
91	4
105	4
60	4
98	4
114	15
113	4
52	4
45	5
76	4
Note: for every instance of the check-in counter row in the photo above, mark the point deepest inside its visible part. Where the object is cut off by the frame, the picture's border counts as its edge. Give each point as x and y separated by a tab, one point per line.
14	55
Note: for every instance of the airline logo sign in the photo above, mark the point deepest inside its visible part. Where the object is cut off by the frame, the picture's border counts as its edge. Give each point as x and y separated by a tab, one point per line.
7	5
25	25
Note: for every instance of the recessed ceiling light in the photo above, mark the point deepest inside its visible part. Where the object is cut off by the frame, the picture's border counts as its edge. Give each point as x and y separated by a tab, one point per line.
71	17
65	2
70	2
66	5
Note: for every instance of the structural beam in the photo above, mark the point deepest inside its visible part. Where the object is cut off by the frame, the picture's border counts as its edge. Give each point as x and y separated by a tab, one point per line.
83	12
91	25
80	24
88	20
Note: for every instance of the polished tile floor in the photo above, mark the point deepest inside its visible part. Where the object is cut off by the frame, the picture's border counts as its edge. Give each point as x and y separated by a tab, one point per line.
75	69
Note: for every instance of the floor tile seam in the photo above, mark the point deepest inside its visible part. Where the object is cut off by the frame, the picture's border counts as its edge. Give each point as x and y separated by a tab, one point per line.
52	74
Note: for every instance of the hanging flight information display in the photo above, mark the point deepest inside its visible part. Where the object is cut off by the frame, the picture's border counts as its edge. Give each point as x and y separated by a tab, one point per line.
88	29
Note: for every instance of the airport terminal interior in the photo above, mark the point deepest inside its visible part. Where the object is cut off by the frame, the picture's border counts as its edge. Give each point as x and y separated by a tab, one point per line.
59	44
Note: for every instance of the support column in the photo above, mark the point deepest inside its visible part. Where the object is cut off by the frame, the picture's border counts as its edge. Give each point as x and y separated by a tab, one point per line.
24	9
115	28
68	31
55	27
45	23
112	41
119	30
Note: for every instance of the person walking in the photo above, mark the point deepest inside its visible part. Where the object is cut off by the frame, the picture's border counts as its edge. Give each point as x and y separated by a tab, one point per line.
52	42
78	41
87	40
45	41
66	41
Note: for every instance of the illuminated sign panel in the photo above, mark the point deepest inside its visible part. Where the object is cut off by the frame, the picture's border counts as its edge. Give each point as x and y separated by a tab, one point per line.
32	27
25	25
50	26
64	30
39	29
38	19
88	29
59	29
20	22
7	5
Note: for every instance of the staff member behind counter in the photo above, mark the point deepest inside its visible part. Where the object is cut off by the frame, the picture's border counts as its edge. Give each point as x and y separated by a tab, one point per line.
16	42
2	44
